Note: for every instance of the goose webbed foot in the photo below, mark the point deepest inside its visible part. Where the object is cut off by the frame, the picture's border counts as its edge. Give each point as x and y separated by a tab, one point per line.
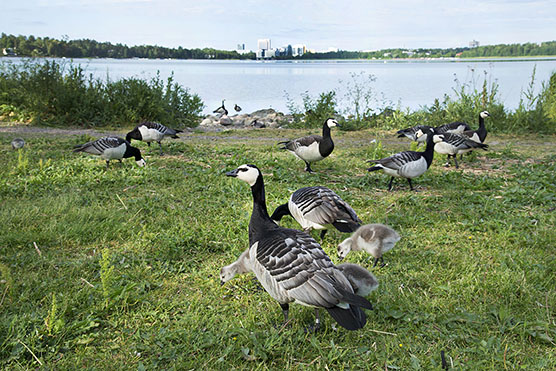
314	328
411	185
308	168
381	259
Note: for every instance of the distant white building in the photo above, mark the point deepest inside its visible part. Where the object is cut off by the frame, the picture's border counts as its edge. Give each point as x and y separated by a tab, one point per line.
264	51
263	44
241	49
474	44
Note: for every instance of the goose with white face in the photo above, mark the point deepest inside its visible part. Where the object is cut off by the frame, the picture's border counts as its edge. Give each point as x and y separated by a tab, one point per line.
331	123
247	173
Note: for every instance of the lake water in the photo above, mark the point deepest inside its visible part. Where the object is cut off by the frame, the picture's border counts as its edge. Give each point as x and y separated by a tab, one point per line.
262	84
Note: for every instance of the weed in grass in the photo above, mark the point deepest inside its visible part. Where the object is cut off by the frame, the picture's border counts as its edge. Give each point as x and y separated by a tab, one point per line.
106	275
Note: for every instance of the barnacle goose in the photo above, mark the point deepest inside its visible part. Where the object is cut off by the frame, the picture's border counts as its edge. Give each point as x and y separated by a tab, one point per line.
375	239
236	108
293	267
362	281
480	134
408	164
319	208
18	143
312	148
221	110
454	144
152	132
111	148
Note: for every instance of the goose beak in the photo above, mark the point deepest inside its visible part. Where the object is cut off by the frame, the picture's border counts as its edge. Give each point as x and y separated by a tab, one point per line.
232	173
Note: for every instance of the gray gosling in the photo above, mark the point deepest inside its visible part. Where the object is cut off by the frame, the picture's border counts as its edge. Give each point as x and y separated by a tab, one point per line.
18	143
362	281
375	239
240	266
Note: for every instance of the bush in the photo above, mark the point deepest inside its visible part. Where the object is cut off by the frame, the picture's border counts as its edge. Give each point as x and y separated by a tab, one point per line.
314	111
536	112
54	92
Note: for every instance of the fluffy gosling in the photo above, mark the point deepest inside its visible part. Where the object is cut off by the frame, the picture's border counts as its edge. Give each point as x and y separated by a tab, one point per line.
375	239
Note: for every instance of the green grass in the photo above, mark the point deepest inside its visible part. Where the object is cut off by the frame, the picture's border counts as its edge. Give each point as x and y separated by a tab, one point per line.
127	275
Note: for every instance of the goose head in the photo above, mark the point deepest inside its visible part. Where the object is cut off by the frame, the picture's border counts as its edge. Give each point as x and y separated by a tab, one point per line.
227	273
484	114
425	131
247	173
344	248
136	153
330	122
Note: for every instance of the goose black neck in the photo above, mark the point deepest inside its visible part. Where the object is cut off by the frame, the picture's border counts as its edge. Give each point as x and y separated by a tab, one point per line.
325	130
132	152
429	151
260	220
481	122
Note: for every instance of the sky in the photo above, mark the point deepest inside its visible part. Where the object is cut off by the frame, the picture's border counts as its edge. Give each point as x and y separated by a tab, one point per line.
346	25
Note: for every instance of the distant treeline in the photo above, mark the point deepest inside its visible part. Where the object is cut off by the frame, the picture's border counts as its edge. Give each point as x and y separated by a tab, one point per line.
46	47
31	46
501	50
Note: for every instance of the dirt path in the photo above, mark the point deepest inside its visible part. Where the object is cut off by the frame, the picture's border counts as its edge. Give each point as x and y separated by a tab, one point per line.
189	135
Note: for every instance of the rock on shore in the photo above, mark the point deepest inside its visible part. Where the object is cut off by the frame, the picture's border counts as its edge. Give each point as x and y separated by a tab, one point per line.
268	118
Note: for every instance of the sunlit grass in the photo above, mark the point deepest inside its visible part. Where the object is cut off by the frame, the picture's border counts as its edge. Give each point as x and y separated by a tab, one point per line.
473	274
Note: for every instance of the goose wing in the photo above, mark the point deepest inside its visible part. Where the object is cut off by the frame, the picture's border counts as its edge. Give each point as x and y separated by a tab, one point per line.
323	206
292	266
395	162
97	147
294	144
460	141
447	128
160	128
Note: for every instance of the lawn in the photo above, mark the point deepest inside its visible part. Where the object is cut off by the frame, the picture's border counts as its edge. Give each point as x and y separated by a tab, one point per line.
118	268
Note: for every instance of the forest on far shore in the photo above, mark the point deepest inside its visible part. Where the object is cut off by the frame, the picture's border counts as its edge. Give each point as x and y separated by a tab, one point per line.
31	46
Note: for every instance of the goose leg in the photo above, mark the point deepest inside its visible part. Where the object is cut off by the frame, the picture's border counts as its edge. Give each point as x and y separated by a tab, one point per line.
382	264
107	164
160	147
285	311
456	161
308	167
322	234
390	184
411	185
315	327
375	262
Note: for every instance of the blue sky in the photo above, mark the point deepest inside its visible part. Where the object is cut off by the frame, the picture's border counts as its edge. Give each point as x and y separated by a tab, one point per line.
349	25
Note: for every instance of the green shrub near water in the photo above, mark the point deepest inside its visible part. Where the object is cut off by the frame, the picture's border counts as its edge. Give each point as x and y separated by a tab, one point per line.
60	93
364	109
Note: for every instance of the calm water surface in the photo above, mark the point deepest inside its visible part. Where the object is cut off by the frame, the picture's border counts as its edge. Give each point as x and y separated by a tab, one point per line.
255	84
